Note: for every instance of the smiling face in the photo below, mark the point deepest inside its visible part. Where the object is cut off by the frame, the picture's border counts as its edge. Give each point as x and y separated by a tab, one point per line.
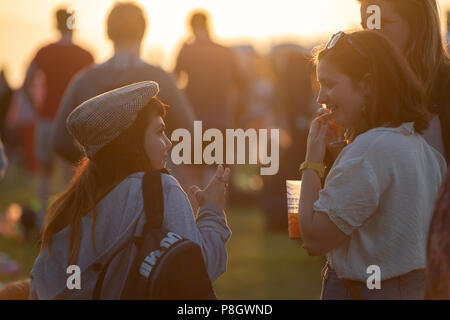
340	95
156	142
393	26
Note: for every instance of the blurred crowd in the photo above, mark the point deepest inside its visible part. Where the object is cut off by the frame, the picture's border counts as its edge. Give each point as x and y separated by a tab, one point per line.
224	87
227	87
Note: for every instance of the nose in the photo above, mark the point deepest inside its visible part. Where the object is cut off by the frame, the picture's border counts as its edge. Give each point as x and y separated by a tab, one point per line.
322	97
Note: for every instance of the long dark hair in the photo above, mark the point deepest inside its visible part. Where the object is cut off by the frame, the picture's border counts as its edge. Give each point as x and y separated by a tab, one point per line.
397	96
95	178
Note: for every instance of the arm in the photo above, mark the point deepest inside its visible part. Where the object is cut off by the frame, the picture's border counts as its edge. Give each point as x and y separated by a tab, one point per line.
29	77
209	231
352	192
320	234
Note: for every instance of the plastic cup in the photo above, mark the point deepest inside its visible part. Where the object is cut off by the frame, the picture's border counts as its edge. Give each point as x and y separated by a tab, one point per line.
293	188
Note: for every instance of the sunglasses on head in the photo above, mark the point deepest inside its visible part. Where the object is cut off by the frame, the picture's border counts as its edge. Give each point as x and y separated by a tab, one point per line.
342	35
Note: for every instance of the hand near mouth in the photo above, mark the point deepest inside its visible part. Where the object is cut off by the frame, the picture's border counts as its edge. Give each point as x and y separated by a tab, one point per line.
316	146
335	134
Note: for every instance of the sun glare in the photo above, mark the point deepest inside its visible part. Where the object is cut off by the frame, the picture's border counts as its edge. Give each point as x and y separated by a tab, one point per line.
25	25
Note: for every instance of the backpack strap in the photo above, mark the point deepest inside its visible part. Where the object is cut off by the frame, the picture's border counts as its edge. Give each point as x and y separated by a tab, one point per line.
154	211
153	196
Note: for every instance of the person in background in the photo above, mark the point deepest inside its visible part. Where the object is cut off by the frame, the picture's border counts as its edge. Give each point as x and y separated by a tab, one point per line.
369	212
53	67
214	81
126	26
6	94
213	75
415	27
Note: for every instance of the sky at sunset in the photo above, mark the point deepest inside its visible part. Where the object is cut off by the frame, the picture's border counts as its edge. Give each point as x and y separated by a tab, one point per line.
27	24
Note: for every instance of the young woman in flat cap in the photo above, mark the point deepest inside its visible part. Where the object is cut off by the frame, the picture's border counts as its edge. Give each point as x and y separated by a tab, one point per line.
122	135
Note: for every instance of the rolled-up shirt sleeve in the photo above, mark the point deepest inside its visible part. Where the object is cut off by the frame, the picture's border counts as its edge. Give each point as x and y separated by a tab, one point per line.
351	194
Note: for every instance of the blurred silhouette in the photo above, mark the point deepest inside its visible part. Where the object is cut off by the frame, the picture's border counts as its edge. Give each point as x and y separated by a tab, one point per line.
47	77
447	34
126	26
5	100
213	75
213	82
19	131
294	109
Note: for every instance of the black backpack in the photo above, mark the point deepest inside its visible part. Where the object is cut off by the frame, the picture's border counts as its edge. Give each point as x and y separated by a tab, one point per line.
167	266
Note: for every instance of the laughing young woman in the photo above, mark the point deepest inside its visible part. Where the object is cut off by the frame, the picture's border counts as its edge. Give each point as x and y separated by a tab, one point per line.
376	205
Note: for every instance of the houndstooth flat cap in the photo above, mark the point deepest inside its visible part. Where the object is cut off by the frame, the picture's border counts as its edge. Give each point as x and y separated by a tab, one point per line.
99	120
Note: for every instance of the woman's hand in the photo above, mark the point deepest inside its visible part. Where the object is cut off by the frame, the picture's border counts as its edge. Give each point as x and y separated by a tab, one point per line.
335	134
216	190
317	138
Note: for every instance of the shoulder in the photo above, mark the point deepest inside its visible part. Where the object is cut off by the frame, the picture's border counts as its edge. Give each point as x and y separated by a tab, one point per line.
385	148
134	182
47	47
385	139
187	46
130	187
169	181
44	50
85	54
85	78
159	73
84	74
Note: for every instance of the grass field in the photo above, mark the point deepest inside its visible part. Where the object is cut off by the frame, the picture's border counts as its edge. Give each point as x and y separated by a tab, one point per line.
261	265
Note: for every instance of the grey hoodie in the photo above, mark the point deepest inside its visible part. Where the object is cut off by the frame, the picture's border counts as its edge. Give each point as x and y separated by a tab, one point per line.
120	217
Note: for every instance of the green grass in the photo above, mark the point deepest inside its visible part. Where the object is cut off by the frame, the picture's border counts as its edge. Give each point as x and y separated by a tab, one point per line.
261	264
264	265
